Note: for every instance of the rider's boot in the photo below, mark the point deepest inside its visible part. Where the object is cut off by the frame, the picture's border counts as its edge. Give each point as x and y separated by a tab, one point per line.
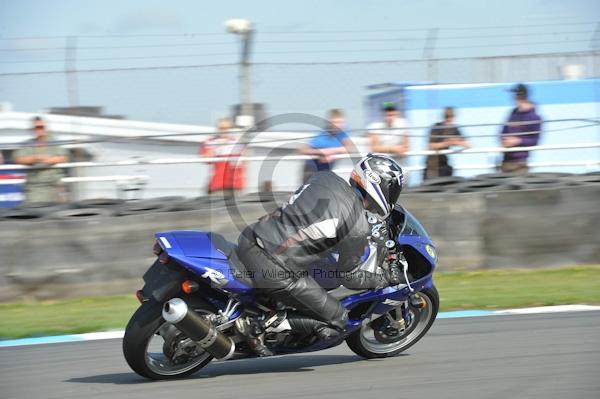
250	327
325	331
310	299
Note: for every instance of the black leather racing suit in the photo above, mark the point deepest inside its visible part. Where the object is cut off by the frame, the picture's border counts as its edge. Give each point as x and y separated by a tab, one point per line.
325	214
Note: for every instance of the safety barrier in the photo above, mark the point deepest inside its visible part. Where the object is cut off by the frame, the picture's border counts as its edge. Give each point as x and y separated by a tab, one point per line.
203	160
102	250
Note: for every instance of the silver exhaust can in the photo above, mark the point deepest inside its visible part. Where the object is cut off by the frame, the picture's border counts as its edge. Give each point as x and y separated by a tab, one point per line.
195	327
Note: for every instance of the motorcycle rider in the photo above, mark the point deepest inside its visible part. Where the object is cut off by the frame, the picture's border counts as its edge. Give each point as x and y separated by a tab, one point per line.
325	215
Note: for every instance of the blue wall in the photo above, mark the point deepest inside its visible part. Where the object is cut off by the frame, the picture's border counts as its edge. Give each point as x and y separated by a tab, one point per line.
498	95
491	104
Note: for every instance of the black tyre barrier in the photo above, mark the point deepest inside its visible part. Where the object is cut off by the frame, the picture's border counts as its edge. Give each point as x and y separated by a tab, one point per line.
427	189
142	206
485	186
82	213
573	183
159	204
267	196
586	179
497	176
547	175
541	183
205	202
99	203
44	208
174	203
183	205
17	214
45	205
444	181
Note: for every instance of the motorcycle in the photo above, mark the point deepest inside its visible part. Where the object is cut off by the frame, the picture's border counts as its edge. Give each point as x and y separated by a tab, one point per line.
197	291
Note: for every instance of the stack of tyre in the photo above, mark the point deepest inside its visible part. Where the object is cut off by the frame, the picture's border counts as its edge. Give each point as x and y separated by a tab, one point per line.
491	182
113	207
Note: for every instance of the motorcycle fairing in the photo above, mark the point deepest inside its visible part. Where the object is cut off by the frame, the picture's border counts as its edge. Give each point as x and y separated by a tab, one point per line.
195	251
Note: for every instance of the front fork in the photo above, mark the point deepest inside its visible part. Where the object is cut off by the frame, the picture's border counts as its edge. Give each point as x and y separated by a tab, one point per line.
413	301
406	315
404	309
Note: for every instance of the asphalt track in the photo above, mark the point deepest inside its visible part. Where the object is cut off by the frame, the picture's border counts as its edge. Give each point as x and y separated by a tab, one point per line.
520	356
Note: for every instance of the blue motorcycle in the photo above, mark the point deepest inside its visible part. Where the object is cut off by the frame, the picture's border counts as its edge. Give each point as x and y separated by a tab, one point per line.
197	290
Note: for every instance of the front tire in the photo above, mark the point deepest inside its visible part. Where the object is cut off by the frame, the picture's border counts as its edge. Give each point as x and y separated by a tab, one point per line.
143	327
364	342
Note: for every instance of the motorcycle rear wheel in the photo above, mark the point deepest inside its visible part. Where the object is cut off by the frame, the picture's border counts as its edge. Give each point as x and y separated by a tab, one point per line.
148	358
364	343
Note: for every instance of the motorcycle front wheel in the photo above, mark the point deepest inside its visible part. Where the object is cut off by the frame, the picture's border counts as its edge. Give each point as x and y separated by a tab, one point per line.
369	342
157	350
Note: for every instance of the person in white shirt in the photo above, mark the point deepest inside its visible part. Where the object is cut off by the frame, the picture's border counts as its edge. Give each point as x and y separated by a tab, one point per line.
389	136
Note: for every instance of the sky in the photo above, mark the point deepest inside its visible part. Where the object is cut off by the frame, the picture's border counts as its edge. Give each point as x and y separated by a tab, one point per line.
113	38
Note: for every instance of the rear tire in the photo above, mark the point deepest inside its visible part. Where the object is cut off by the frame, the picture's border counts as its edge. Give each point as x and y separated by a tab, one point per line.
143	325
422	321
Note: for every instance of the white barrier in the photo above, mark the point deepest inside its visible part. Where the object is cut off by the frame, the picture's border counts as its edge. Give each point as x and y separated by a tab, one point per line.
167	161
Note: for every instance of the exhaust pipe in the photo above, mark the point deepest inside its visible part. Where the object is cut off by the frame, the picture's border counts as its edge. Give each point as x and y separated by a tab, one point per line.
191	324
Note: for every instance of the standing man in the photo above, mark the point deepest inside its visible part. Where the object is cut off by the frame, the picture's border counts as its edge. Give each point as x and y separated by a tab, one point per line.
43	184
389	136
442	136
521	130
227	176
330	141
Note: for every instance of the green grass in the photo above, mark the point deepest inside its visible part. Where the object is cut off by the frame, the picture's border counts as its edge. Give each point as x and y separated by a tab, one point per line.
491	289
501	289
70	316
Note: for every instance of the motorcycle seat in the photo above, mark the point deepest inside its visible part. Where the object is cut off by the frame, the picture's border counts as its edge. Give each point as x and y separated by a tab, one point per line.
228	249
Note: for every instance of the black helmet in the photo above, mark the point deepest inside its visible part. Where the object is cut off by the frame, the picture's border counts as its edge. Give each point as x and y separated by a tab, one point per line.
379	178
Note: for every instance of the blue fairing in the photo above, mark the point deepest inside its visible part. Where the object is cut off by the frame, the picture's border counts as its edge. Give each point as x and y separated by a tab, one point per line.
195	251
406	239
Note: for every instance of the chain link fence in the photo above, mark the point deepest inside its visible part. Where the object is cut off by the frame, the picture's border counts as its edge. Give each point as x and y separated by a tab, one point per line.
197	94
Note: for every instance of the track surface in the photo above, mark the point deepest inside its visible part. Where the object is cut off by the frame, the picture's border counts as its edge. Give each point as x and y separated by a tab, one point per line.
534	356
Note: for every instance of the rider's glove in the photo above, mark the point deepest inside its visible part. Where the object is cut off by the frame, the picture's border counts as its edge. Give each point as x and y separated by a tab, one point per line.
393	275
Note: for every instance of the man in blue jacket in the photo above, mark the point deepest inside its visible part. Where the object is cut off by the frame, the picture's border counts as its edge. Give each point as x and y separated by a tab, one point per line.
329	142
521	130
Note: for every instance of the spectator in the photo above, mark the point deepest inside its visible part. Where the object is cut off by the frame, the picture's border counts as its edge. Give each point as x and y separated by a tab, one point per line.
521	130
389	136
227	176
442	136
43	184
329	142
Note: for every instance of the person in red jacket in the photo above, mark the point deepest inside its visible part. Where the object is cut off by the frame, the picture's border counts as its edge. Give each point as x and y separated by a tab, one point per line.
227	176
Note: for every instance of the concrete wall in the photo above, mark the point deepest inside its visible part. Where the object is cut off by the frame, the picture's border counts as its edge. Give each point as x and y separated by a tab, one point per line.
527	228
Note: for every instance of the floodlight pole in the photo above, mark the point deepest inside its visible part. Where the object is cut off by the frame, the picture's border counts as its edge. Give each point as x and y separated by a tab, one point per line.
245	76
244	28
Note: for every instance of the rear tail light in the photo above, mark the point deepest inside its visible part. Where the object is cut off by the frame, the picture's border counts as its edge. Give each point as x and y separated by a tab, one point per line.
140	296
163	257
157	249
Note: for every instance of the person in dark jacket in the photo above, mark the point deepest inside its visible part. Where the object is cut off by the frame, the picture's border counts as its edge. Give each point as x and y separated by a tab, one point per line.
521	130
442	136
325	215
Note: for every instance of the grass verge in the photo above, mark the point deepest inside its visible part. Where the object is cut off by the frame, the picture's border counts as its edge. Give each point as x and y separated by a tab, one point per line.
490	289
